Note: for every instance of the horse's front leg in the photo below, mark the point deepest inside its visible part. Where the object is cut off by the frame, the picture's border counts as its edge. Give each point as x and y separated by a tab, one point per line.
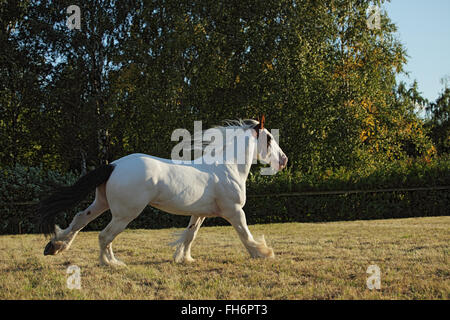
184	243
256	248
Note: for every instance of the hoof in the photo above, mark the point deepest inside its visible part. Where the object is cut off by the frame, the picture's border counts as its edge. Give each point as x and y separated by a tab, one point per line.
49	249
112	263
118	263
53	248
184	260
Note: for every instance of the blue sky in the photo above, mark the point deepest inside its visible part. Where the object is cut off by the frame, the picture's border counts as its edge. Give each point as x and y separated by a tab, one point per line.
424	29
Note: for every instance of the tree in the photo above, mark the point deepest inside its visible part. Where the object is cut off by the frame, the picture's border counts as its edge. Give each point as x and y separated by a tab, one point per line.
438	123
138	70
21	77
76	87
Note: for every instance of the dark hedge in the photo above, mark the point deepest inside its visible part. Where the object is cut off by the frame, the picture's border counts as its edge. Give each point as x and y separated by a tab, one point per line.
21	187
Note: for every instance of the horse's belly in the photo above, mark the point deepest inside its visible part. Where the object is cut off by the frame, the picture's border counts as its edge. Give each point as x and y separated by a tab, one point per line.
204	209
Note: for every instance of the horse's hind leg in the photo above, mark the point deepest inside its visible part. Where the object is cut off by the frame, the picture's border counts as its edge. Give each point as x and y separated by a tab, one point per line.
183	252
64	238
120	219
116	226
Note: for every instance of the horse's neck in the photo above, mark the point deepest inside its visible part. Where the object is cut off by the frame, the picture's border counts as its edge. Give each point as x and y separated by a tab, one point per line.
239	161
242	169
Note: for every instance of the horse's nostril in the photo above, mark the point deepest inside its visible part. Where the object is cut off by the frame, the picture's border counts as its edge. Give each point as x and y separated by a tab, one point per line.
283	161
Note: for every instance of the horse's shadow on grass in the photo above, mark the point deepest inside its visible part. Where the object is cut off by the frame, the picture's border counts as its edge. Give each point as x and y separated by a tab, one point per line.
23	267
150	262
198	261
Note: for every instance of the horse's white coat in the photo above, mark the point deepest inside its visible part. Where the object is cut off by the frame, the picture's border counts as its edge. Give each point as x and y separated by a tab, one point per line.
199	190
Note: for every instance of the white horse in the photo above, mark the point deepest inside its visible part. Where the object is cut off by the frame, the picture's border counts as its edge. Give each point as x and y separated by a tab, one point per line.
129	184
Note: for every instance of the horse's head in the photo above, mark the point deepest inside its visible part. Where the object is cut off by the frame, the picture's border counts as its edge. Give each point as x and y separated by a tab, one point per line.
268	150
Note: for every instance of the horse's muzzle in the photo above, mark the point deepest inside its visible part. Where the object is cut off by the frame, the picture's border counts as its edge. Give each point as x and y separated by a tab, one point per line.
283	162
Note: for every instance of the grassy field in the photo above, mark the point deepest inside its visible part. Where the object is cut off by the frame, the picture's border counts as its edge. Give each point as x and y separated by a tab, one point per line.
313	261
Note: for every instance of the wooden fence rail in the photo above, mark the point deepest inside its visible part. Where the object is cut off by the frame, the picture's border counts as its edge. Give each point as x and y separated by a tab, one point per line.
318	193
289	194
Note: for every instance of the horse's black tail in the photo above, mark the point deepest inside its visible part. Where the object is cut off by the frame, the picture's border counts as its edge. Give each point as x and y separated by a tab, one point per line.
66	198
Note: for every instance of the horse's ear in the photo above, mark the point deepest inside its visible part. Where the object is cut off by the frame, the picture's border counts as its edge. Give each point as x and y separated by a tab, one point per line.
263	119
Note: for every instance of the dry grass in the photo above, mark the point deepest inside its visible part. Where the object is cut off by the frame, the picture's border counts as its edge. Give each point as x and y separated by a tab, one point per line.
313	261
